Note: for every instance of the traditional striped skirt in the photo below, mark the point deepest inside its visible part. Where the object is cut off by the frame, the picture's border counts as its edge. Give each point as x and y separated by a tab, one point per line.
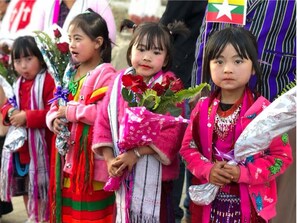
94	207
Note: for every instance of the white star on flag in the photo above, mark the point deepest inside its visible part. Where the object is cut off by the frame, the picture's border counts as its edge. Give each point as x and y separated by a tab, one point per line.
224	9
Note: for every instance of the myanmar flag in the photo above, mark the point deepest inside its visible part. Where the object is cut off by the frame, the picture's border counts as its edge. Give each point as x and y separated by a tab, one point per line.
226	11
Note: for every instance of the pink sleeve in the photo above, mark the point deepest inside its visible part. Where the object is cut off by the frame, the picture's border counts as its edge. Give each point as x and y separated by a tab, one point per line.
102	132
196	163
266	166
86	113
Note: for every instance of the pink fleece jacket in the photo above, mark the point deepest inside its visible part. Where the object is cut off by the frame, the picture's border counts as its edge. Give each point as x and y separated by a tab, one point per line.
257	174
81	111
167	145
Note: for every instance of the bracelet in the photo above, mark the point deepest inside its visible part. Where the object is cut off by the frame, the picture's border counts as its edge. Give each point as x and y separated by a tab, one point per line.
137	153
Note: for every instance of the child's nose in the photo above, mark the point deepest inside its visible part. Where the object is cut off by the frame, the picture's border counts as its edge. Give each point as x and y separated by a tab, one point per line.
23	64
71	44
228	68
146	57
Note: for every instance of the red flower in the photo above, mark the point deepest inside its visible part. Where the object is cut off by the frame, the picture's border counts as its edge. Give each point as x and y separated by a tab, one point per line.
176	85
134	82
167	81
57	33
63	47
159	89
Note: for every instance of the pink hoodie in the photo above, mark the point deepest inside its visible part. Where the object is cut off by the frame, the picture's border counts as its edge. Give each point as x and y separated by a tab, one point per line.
81	111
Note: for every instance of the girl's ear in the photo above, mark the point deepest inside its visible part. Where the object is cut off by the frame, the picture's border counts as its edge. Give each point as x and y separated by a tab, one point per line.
253	72
165	62
99	41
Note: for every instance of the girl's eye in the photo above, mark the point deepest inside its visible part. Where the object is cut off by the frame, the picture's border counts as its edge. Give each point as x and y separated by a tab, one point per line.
157	52
17	61
239	61
218	61
141	49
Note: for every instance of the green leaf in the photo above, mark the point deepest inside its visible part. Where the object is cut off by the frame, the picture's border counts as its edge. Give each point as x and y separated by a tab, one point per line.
127	95
175	111
190	92
168	92
132	104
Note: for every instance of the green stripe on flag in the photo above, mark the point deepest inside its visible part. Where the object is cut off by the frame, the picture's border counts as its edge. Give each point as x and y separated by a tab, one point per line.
238	10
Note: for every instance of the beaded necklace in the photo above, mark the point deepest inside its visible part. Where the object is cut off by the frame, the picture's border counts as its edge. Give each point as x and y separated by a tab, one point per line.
226	120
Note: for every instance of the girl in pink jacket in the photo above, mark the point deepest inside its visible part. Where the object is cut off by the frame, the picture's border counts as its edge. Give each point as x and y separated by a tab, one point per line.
144	194
78	177
247	191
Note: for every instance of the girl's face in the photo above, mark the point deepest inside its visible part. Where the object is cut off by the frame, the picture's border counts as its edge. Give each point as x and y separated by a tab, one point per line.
147	62
83	49
28	67
230	72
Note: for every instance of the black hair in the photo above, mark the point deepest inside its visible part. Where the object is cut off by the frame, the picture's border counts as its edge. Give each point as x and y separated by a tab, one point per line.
243	41
25	46
93	25
156	33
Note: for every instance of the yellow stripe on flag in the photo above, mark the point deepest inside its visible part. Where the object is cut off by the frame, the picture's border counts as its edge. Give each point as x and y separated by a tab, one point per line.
231	2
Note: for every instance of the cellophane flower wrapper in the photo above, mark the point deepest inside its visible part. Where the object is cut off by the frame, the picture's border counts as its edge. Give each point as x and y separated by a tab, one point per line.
140	127
203	194
15	138
56	67
274	120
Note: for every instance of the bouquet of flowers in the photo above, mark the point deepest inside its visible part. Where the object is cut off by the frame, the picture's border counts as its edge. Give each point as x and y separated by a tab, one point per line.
6	70
57	57
150	109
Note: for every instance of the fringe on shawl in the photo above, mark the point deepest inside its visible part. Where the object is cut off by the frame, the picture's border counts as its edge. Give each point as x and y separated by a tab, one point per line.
6	175
136	218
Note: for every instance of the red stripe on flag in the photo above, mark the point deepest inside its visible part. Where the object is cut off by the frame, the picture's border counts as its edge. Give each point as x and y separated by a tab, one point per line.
236	18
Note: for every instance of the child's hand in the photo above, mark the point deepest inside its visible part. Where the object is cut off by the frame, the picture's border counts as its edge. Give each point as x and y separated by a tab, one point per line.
61	113
18	118
112	169
125	160
218	175
57	125
234	171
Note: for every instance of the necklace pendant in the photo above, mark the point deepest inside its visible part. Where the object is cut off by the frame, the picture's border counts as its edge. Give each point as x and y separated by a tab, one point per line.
224	125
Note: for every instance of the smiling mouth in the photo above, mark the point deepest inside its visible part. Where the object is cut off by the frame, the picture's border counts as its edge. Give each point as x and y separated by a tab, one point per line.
145	66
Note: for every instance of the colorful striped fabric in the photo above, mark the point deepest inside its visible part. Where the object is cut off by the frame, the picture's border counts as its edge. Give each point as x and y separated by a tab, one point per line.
274	25
232	11
87	207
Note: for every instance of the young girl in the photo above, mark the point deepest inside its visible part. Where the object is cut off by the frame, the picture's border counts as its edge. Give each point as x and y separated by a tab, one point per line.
144	194
247	191
29	166
82	198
